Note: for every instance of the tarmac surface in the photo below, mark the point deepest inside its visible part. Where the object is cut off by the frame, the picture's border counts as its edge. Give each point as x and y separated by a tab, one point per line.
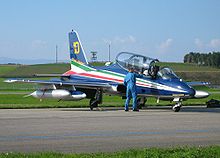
81	130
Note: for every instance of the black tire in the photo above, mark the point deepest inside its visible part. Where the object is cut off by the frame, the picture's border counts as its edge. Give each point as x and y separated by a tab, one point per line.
176	109
93	103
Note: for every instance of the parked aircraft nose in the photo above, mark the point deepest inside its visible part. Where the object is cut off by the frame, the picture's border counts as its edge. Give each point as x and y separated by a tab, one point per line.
201	94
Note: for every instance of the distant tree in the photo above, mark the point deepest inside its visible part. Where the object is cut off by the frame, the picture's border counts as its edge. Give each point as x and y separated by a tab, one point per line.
207	59
191	57
186	58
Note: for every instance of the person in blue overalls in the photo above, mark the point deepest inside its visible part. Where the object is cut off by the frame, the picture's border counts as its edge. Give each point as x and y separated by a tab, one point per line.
130	83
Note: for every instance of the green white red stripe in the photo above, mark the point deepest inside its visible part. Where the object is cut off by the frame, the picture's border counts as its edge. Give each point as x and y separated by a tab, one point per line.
79	69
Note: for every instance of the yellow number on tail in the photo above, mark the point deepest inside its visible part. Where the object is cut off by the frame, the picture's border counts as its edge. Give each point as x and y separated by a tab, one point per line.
76	47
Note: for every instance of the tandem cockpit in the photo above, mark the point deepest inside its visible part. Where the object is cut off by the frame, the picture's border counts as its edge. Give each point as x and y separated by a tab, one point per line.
145	65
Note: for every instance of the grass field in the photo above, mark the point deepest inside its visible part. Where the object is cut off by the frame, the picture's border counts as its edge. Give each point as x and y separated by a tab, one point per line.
15	86
185	67
4	69
29	70
181	152
186	71
18	101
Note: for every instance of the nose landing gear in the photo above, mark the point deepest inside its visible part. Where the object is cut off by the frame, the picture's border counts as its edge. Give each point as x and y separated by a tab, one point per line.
177	107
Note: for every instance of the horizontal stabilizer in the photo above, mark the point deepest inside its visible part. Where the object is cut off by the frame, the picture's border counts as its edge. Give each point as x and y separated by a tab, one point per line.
198	83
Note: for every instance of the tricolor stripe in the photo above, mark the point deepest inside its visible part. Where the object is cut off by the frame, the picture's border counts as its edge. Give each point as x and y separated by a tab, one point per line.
79	69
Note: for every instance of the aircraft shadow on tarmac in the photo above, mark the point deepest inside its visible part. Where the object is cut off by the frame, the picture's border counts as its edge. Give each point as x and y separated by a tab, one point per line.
151	108
201	109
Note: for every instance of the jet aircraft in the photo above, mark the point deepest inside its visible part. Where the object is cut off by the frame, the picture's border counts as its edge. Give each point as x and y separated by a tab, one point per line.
85	81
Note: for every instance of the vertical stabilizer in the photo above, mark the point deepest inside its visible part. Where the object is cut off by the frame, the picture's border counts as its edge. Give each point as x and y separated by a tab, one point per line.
76	49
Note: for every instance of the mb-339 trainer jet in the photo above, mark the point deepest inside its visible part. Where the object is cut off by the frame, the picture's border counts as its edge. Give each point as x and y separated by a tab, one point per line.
85	81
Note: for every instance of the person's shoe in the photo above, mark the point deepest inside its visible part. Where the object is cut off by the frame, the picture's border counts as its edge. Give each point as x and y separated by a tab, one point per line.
136	110
126	110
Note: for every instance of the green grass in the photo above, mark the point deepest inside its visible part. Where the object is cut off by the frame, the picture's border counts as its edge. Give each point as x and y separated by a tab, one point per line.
178	152
30	70
201	101
212	77
18	101
206	88
7	68
191	72
15	86
179	67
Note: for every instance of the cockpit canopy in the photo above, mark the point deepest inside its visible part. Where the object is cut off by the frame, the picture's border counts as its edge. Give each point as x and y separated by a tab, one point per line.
138	62
146	65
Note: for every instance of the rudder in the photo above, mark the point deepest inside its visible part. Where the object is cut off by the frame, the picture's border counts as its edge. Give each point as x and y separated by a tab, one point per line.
76	49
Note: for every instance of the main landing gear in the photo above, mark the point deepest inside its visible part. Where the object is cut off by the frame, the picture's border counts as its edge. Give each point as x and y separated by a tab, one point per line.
96	100
141	102
93	103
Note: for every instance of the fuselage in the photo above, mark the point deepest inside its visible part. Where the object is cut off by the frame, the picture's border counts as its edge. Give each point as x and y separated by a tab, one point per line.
146	86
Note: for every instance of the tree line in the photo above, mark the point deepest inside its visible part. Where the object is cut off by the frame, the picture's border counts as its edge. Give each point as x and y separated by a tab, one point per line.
205	59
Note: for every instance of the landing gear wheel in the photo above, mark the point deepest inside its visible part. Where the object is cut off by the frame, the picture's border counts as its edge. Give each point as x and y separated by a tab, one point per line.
93	103
176	108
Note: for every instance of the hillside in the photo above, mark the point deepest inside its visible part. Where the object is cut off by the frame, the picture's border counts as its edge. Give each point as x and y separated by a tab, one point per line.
193	72
30	70
185	67
185	71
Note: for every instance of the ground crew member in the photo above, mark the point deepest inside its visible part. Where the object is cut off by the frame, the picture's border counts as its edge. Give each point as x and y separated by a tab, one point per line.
130	83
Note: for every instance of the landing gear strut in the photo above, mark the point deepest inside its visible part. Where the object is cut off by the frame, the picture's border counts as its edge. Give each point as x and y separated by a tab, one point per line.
141	102
93	103
177	107
96	100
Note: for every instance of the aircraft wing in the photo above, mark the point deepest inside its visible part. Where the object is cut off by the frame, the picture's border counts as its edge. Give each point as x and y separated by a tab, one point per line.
51	75
61	82
198	83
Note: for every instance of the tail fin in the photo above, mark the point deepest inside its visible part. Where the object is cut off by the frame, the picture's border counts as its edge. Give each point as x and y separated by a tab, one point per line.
76	49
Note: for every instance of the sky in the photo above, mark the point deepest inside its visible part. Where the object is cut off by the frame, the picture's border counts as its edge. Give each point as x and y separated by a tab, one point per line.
162	29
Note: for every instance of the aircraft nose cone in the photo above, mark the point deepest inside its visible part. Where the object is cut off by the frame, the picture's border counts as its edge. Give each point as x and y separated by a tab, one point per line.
201	94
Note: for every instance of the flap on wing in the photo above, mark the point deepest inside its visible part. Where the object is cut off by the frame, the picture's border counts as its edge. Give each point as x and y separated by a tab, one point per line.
51	75
60	82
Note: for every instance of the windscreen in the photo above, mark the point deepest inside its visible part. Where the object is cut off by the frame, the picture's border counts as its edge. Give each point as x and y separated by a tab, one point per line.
167	73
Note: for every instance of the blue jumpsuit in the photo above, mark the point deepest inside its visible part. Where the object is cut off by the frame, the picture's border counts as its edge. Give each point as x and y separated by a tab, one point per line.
130	83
